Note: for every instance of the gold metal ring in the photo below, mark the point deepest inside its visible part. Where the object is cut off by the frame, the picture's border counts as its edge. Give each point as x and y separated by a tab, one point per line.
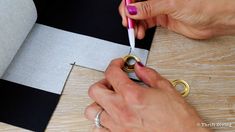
186	90
127	66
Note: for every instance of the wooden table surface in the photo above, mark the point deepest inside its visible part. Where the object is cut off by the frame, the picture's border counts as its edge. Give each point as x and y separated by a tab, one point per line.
208	66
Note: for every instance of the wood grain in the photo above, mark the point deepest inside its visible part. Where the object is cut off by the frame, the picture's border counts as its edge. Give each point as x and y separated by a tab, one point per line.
207	65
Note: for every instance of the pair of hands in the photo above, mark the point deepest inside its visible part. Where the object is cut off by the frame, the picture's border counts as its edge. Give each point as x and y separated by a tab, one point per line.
130	107
157	106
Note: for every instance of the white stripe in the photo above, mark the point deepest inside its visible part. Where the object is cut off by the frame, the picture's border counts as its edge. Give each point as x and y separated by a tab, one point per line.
44	60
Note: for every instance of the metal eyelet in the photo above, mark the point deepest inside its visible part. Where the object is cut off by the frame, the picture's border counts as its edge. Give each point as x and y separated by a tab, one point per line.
127	66
186	90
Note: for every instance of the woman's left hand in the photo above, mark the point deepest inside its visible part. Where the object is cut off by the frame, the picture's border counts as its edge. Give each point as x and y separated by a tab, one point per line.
128	106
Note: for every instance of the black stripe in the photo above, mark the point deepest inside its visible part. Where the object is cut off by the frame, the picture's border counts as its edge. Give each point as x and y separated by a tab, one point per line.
96	18
26	107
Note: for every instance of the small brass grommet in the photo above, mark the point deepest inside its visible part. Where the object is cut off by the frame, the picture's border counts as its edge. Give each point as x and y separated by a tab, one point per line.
186	90
128	67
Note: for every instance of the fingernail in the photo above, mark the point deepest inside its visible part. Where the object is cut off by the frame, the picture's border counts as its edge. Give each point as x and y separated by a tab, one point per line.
140	64
131	9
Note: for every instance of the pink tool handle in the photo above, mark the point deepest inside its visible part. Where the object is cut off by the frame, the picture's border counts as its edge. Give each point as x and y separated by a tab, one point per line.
130	22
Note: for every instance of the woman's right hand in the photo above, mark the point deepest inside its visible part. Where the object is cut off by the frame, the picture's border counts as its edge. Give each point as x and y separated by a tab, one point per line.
198	19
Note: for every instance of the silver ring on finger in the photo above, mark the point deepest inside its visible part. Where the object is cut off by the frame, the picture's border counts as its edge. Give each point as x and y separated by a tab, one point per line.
97	119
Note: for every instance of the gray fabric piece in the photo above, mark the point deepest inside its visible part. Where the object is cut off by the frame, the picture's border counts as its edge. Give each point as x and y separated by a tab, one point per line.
43	62
17	17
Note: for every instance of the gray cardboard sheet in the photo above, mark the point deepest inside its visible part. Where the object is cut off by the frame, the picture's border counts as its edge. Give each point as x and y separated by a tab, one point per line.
17	17
44	60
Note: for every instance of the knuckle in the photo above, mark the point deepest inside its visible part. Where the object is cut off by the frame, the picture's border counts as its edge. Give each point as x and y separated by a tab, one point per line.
87	112
108	73
135	96
110	69
92	89
146	8
120	9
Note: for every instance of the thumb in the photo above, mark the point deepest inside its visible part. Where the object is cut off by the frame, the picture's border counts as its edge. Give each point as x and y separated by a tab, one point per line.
146	9
151	77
